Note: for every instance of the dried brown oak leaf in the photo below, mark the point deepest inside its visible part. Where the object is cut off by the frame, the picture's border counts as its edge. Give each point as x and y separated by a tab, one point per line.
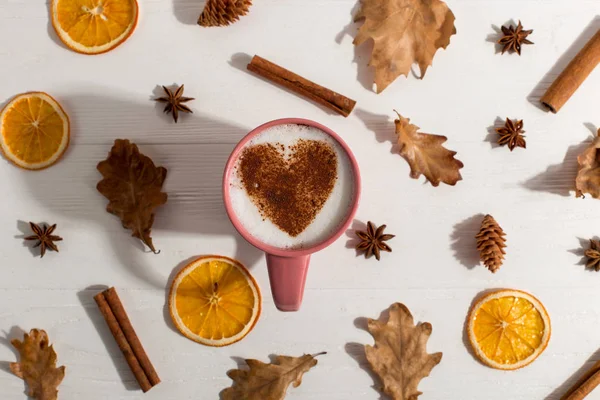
426	155
268	381
588	177
399	356
133	185
404	32
37	366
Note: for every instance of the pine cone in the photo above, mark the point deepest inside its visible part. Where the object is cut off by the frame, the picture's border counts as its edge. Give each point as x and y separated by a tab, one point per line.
491	241
223	12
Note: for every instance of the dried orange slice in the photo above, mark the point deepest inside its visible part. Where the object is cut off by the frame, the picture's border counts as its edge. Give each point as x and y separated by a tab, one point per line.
94	26
508	329
214	301
34	130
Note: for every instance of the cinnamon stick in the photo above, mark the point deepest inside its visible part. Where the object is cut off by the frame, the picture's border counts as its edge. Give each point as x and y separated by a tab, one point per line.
317	93
585	384
573	76
117	307
118	322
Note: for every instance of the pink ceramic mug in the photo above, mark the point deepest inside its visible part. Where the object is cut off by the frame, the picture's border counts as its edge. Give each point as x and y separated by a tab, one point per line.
288	267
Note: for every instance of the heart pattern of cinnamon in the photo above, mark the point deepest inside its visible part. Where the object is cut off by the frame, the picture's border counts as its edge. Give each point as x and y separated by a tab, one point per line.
289	190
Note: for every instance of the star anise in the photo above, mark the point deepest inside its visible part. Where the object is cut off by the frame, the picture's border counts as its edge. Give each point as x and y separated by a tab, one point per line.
175	102
513	38
593	255
511	134
372	240
44	237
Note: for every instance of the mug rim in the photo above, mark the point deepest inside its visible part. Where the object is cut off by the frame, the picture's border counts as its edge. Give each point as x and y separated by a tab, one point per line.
277	251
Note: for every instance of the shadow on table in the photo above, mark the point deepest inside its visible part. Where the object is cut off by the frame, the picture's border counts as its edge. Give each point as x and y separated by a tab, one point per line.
543	85
465	336
463	242
86	298
575	380
195	166
362	54
560	178
50	28
166	310
584	244
492	136
188	11
498	34
381	125
353	240
357	352
14	333
240	365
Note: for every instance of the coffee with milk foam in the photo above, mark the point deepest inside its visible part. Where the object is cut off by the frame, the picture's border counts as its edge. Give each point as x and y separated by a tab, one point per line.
292	186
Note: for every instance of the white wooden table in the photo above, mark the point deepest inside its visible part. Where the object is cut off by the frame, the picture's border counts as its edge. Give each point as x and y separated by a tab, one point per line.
433	269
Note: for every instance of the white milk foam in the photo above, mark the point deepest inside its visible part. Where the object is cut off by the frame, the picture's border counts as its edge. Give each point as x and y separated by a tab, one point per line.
328	220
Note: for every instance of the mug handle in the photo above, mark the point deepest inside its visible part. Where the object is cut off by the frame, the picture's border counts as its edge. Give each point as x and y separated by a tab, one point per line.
288	277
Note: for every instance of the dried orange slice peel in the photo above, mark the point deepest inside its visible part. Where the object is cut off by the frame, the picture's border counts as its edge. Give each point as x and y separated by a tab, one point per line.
214	301
508	329
34	130
94	26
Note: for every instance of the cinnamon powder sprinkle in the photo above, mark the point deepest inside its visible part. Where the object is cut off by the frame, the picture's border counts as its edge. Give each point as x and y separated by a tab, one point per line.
290	191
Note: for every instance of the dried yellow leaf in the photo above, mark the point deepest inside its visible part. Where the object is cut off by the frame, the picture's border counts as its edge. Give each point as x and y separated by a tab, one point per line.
37	366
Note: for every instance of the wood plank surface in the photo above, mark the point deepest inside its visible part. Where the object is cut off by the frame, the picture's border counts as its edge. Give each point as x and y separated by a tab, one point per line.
434	267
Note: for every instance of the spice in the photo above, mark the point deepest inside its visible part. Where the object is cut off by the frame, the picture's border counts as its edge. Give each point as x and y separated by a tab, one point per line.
317	93
513	38
175	102
118	322
491	242
372	240
223	12
511	134
573	76
593	255
44	237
